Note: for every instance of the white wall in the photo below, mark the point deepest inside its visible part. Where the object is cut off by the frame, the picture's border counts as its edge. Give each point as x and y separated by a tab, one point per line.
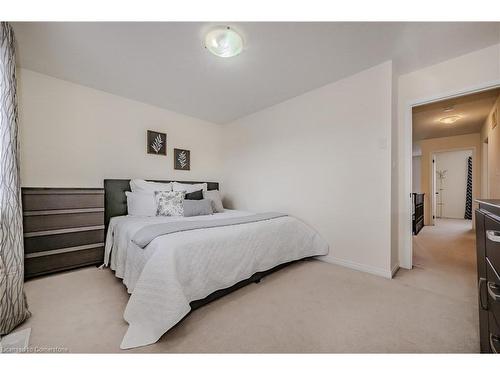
416	168
460	75
454	184
324	156
334	141
74	136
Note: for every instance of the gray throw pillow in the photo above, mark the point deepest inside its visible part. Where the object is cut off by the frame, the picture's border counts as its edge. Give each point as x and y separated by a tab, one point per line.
197	207
214	196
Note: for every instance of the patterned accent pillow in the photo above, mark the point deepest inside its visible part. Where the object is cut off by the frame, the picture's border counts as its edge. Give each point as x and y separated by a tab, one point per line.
169	203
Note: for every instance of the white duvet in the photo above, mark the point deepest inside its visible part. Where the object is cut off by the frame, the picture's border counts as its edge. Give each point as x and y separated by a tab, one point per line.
178	268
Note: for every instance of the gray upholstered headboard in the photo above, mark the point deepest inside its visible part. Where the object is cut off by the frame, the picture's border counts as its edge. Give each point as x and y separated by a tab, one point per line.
115	200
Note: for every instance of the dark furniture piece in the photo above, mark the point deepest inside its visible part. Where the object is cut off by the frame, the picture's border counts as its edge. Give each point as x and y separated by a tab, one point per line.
418	212
115	204
63	229
488	270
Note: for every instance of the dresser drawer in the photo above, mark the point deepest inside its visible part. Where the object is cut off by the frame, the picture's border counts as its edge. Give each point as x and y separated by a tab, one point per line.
61	199
36	221
492	229
64	261
63	240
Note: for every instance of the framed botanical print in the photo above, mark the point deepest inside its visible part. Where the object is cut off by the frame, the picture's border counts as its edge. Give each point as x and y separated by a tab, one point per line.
157	143
182	159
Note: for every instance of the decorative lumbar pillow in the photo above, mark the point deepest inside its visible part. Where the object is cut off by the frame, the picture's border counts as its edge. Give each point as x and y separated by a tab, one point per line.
141	204
142	186
214	196
169	203
189	188
195	195
198	207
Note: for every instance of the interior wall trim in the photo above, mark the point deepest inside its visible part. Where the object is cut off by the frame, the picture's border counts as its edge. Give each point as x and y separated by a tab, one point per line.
359	267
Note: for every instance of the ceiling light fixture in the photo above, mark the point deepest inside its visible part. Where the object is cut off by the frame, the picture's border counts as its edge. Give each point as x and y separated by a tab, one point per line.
224	42
450	119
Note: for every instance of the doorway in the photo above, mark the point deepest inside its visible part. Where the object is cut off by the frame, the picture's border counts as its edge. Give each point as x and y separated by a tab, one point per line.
449	160
451	186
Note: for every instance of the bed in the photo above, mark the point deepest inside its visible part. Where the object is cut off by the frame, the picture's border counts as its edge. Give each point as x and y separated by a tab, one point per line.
171	265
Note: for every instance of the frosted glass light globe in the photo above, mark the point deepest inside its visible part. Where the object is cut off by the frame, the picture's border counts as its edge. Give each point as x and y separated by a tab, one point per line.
450	119
224	42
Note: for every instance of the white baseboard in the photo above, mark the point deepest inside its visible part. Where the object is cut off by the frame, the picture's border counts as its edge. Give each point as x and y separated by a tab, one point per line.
360	267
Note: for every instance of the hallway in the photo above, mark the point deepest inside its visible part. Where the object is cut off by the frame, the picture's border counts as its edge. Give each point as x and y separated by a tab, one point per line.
444	259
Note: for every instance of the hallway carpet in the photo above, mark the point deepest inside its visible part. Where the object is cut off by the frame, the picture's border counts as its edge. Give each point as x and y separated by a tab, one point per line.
310	307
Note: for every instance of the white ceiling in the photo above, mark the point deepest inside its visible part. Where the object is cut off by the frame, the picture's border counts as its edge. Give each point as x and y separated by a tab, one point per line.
473	110
165	64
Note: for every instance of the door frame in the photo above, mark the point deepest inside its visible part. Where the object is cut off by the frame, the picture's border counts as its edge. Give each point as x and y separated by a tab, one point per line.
405	228
432	189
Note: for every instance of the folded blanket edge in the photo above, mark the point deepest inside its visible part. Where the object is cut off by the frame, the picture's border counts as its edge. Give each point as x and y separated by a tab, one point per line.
145	235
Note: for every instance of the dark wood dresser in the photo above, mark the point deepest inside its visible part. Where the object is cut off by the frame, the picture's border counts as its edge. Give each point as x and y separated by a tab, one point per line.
63	229
488	269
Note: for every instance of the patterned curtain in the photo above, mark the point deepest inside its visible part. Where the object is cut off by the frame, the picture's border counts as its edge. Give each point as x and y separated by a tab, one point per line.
468	194
13	306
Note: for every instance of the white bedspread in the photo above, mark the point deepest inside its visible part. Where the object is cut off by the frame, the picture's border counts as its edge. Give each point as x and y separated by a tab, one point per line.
178	268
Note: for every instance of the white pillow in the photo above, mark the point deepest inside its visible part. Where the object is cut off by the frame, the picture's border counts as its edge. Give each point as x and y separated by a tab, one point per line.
141	204
189	188
141	186
214	197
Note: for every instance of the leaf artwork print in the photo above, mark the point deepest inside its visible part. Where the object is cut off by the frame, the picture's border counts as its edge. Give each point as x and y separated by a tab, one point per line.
157	143
182	158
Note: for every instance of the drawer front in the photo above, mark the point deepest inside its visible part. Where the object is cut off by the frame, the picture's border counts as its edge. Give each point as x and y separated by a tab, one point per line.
493	291
493	324
36	223
63	240
492	228
65	261
37	201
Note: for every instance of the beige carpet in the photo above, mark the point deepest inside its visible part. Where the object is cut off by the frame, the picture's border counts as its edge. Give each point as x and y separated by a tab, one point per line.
308	307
